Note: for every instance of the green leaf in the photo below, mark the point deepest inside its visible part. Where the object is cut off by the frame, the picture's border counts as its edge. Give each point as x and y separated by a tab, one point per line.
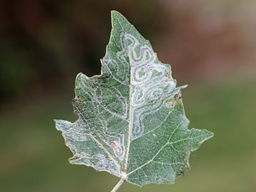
131	121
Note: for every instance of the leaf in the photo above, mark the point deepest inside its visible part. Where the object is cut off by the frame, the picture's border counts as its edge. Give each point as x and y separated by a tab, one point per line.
131	121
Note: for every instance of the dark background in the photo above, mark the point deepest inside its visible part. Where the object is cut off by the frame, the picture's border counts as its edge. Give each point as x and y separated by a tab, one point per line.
211	46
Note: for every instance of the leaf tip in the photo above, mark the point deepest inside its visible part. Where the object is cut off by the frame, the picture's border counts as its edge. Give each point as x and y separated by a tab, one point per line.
115	13
57	123
62	124
117	16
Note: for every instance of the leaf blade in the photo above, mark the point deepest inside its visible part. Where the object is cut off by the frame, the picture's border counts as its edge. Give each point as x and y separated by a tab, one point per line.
131	120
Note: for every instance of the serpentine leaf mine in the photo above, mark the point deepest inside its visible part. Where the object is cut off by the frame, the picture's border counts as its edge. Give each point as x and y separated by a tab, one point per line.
131	121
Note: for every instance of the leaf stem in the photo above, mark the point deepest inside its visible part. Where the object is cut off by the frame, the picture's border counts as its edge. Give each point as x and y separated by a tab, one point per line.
118	185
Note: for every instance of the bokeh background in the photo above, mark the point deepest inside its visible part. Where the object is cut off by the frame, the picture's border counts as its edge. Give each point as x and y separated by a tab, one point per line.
211	45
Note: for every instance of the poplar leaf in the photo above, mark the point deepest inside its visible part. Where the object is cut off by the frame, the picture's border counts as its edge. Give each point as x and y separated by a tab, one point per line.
131	121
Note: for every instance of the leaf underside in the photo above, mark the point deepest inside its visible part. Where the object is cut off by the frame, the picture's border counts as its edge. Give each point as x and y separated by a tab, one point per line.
131	121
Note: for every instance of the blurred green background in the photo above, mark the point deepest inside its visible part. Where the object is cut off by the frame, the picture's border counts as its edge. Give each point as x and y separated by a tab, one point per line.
210	44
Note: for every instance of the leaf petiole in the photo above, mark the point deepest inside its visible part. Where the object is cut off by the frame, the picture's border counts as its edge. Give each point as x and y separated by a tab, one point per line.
118	185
